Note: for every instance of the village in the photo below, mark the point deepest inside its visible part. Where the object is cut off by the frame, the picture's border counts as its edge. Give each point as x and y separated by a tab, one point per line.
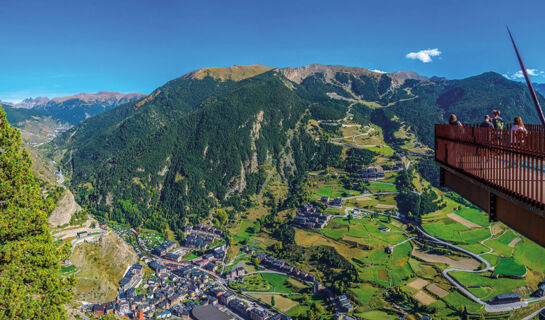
180	289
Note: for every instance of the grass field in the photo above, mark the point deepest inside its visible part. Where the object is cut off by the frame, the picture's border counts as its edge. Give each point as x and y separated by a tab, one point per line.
245	230
278	282
377	315
508	267
365	293
281	303
456	299
254	282
531	255
377	186
335	191
452	231
496	286
474	215
190	256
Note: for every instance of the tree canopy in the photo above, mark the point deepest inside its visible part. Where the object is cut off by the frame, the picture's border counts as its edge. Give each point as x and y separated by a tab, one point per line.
30	283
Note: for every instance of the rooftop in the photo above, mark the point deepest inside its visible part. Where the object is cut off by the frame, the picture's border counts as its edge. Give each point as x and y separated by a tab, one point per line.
209	312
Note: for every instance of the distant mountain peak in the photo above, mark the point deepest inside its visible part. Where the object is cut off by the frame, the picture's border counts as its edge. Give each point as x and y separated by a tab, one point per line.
300	73
32	102
99	96
234	73
410	75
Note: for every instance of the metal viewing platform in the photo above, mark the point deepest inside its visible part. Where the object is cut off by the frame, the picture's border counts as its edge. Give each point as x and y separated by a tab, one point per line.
500	172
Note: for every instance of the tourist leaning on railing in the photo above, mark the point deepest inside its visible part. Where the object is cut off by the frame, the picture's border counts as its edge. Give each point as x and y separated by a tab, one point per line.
487	123
453	120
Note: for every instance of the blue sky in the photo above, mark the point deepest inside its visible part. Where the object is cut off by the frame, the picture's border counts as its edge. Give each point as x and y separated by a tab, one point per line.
53	48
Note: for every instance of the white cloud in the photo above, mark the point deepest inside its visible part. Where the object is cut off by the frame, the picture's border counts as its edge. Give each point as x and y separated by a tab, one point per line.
531	72
378	71
423	55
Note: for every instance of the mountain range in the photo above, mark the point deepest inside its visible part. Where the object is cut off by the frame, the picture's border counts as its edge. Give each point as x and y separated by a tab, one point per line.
75	109
216	135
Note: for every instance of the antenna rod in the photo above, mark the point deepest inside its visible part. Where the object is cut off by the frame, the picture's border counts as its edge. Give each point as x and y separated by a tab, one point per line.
528	82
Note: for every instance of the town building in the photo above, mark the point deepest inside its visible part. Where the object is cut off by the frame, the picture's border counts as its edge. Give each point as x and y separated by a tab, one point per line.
372	173
506	298
311	217
344	304
209	312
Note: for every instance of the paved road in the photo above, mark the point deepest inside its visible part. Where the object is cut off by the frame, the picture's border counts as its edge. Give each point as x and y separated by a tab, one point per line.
533	314
488	307
74	232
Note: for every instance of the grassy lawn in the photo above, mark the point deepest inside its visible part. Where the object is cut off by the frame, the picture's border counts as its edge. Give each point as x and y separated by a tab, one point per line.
475	248
281	303
190	256
496	286
365	293
377	315
254	282
456	299
508	267
399	268
377	186
501	244
245	230
530	254
474	215
334	191
450	230
387	151
277	282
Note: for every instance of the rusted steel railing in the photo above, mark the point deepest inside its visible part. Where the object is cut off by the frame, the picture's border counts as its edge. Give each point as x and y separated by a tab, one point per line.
509	162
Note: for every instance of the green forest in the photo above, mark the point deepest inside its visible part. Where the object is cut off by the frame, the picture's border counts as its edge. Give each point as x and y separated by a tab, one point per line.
30	284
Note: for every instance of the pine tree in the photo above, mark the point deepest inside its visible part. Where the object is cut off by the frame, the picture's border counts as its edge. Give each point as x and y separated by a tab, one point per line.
30	284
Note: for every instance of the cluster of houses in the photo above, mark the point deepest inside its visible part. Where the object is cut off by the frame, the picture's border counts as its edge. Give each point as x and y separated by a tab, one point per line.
156	294
210	260
372	173
132	277
235	273
201	236
203	228
164	248
332	203
311	217
344	304
280	265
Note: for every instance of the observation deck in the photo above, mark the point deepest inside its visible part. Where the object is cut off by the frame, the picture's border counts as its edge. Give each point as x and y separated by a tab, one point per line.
501	173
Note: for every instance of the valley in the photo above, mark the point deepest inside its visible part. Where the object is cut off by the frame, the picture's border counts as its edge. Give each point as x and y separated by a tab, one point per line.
321	186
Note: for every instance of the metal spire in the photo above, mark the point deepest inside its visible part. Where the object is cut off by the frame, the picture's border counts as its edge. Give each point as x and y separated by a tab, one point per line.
528	82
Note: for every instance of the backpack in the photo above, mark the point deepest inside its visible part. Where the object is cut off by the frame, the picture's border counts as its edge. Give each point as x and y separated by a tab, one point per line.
498	124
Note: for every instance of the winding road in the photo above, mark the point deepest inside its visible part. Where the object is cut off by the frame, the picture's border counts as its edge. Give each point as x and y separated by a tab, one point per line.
488	307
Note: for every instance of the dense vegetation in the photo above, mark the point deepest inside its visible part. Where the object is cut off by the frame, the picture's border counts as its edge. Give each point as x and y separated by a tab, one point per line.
16	115
30	285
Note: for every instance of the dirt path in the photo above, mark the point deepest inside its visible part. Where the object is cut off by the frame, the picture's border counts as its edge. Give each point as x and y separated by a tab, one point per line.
463	221
515	241
468	264
66	207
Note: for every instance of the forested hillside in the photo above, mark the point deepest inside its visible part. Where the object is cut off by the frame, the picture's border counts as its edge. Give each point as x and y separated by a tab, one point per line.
205	139
30	285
